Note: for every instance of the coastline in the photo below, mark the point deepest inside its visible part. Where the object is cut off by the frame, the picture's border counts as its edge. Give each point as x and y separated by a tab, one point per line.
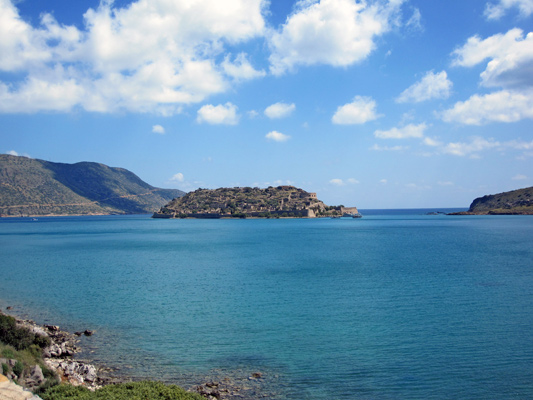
62	357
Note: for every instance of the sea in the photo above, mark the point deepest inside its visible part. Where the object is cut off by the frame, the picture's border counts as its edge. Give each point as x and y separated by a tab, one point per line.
399	304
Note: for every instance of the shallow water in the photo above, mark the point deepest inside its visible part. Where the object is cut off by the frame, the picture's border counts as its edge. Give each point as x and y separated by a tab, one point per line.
396	305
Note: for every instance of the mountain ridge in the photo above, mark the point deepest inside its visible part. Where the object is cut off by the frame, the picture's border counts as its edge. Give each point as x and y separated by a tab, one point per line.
38	187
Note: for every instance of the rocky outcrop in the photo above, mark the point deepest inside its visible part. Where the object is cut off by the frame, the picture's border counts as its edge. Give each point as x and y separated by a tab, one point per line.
59	357
516	202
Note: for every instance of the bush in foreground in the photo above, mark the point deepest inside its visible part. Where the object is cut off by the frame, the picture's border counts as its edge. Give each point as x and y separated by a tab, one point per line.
123	391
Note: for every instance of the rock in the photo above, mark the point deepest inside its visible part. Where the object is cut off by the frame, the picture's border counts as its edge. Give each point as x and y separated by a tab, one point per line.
52	328
87	332
35	377
78	333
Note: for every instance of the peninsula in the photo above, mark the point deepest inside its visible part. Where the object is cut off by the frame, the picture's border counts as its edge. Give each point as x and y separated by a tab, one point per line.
244	202
516	202
32	187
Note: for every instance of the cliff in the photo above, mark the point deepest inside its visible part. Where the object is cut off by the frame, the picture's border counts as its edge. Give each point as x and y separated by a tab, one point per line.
516	202
272	202
37	187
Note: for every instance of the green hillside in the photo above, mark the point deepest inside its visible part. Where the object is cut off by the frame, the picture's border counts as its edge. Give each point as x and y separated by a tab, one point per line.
36	187
515	202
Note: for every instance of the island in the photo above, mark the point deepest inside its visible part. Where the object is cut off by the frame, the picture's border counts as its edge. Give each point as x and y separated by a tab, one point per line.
248	202
515	202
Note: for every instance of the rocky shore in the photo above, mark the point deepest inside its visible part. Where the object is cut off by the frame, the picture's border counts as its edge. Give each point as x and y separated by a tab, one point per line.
60	357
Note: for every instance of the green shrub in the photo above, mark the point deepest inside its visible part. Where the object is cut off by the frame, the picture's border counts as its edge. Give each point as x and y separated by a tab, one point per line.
18	368
19	338
123	391
7	352
5	369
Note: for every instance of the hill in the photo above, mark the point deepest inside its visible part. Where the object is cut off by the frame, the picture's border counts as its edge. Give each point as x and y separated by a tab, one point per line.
516	202
37	187
272	202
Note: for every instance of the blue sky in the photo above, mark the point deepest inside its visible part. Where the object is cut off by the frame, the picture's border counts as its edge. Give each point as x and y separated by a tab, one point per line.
375	104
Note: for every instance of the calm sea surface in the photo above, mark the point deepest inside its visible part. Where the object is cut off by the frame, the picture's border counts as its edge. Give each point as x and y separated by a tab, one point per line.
396	305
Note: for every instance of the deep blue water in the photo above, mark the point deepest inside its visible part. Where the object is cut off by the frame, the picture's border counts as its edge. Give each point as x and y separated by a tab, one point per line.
396	305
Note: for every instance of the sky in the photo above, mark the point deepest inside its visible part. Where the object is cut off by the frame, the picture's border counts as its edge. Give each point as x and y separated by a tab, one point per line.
374	104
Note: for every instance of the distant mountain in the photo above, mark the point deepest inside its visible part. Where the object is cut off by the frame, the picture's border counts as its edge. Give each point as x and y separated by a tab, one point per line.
36	187
516	202
242	202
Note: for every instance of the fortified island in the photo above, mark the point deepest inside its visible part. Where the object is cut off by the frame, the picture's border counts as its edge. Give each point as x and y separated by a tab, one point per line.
245	202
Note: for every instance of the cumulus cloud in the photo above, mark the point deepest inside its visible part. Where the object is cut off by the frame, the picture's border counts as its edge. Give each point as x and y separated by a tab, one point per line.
331	32
510	55
360	110
158	129
241	69
277	136
472	148
149	56
432	86
225	114
279	110
497	10
406	132
509	66
12	153
502	106
179	177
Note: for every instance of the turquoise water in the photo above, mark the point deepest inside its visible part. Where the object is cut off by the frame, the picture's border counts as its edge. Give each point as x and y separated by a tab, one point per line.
396	305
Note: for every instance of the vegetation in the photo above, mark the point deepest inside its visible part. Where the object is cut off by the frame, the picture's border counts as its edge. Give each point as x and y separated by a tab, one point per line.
272	202
18	337
123	391
516	202
37	187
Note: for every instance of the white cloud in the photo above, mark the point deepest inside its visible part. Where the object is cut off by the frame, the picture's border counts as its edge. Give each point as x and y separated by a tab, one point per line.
279	110
179	177
12	153
475	146
241	69
432	86
150	56
431	142
510	67
415	22
498	10
445	183
222	114
337	182
331	32
158	129
341	182
511	58
406	132
502	106
377	147
519	177
360	110
383	181
277	136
